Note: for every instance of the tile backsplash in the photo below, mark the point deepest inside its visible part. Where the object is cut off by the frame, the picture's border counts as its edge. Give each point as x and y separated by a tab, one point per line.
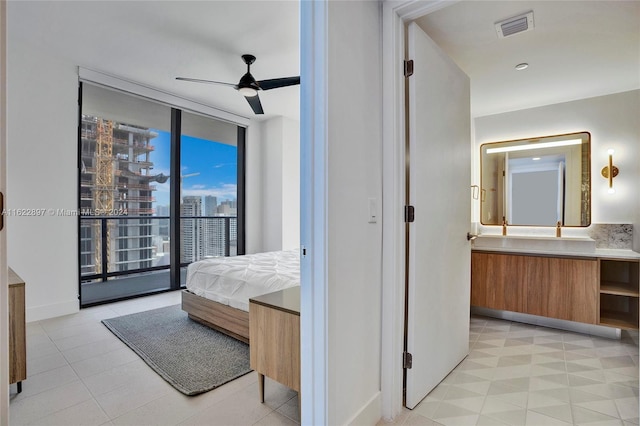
612	235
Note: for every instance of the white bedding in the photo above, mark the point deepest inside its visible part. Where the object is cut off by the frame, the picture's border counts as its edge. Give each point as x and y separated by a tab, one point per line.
233	280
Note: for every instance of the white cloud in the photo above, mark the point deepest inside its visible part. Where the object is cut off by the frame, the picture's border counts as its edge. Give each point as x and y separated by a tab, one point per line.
220	165
226	191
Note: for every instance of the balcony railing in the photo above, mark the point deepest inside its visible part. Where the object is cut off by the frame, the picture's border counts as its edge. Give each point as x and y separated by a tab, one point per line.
114	246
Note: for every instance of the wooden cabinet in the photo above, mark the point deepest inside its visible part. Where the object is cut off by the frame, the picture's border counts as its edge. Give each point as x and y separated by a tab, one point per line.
555	287
619	292
17	332
562	288
274	330
495	281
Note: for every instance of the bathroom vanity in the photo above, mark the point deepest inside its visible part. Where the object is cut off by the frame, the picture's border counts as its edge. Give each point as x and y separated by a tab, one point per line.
599	287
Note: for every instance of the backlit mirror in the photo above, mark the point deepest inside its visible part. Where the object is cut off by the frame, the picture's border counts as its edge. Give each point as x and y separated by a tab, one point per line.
537	182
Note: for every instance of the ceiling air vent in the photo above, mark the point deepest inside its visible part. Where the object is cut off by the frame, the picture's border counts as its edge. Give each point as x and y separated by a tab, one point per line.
515	25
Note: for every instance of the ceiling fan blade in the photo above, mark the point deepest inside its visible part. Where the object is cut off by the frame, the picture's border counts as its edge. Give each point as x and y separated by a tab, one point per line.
254	101
196	80
274	83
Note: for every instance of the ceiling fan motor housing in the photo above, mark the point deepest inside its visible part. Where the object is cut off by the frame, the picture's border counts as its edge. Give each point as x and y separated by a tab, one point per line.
247	81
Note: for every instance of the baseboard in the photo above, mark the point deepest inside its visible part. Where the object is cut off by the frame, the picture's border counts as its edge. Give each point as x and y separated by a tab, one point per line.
369	414
37	313
578	327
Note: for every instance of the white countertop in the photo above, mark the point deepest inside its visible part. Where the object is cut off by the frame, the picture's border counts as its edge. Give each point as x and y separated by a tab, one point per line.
598	253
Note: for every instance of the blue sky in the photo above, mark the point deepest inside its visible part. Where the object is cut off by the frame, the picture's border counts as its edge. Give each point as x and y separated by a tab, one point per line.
215	162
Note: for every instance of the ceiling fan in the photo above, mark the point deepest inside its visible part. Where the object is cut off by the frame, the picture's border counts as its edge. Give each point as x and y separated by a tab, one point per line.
249	87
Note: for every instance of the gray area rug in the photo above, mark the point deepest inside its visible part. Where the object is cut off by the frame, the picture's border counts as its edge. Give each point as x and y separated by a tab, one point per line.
190	356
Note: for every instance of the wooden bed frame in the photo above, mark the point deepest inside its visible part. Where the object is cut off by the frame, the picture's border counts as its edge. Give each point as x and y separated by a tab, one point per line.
230	321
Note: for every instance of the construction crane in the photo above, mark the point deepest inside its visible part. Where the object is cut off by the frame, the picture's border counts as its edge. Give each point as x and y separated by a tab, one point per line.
182	178
104	186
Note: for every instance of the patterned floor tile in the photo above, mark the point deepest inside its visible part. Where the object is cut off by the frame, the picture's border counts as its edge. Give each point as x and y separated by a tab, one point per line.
561	394
584	416
459	421
575	367
576	381
546	357
470	365
497	388
607	407
518	399
537	419
628	408
445	410
511	360
519	342
578	396
560	412
473	404
488	421
456	392
481	388
513	417
494	404
617	362
519	374
539	399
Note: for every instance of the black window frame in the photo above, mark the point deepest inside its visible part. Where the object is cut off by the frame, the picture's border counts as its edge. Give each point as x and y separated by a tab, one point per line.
174	210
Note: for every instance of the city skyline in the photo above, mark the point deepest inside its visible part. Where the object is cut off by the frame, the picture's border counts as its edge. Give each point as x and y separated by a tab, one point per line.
215	164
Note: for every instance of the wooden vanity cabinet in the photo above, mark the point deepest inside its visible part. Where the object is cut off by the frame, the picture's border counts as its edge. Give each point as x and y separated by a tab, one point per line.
619	292
495	281
555	287
562	288
17	331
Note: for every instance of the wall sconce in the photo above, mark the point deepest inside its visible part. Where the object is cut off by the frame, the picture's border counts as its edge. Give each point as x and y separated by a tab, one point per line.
610	171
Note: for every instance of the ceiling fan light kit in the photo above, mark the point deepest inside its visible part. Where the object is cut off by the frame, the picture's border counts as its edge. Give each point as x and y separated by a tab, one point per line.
249	87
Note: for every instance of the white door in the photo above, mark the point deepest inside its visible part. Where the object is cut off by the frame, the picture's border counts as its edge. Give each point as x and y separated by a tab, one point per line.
439	189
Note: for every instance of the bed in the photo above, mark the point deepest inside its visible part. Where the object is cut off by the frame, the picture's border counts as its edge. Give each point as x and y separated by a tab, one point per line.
219	289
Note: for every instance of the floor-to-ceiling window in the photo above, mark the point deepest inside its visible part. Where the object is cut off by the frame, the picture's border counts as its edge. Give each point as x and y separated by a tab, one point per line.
208	189
139	224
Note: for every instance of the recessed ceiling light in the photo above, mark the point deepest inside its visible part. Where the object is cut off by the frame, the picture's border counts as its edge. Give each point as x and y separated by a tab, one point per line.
535	158
522	66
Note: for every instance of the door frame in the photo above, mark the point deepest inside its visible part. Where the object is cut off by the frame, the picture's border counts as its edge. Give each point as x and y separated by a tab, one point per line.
4	288
395	14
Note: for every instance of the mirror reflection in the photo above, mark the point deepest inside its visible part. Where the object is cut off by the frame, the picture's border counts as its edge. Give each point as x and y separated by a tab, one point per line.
537	182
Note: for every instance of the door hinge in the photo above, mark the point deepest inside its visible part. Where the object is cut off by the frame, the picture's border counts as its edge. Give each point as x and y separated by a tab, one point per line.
409	214
1	211
407	360
408	68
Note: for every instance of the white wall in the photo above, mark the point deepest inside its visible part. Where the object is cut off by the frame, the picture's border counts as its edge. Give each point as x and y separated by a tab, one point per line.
290	184
280	184
272	185
43	150
612	121
253	188
354	144
42	174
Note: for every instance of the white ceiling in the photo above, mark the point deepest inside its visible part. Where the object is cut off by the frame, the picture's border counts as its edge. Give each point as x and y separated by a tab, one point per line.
578	49
152	42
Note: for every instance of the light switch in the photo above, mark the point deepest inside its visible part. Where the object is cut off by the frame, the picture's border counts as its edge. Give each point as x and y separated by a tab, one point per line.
373	210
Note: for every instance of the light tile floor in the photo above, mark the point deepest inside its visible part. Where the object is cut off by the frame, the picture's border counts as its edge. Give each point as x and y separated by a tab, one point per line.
520	374
79	373
515	374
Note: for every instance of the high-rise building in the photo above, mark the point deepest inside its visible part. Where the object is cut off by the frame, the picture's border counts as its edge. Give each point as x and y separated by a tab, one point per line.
116	182
210	205
191	229
228	208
